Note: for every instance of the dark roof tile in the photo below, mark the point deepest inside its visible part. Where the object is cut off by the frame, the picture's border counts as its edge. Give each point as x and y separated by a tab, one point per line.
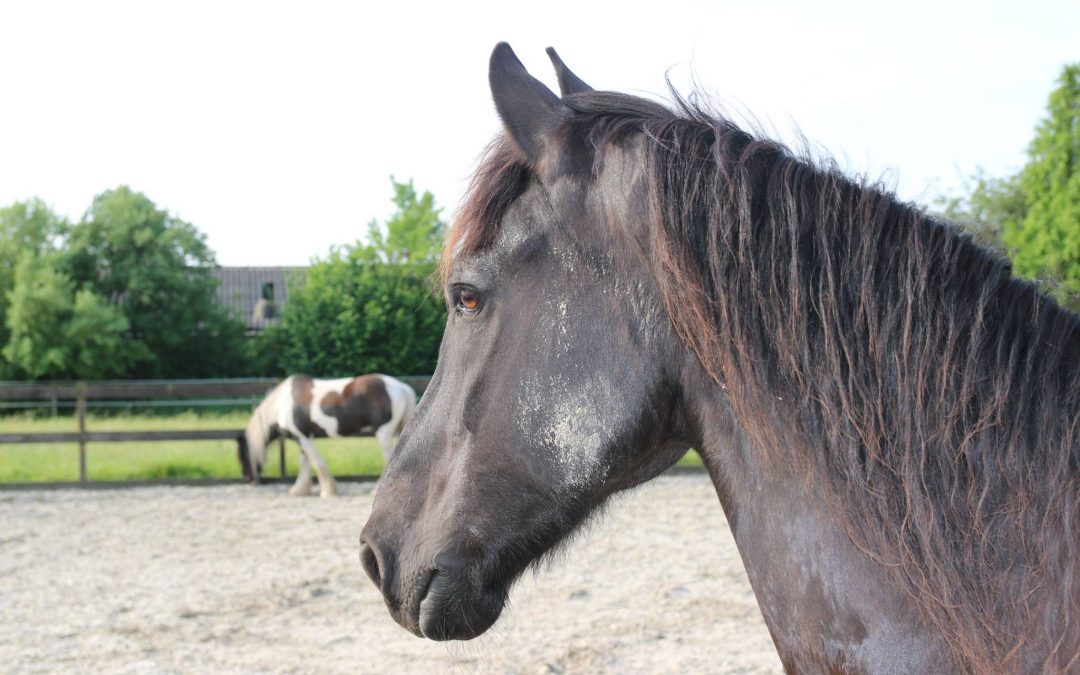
241	288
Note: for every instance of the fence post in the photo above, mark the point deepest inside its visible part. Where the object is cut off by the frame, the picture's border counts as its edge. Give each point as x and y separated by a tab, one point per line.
80	388
281	455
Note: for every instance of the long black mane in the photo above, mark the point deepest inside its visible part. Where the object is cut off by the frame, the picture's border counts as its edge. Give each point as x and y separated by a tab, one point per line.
936	396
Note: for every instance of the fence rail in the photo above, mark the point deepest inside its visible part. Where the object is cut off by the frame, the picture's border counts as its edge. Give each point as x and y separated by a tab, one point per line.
152	390
28	391
122	436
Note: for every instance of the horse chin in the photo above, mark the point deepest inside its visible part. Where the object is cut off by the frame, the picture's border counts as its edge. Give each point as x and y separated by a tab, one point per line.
450	609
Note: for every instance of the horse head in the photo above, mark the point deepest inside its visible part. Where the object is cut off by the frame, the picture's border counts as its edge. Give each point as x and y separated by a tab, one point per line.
556	382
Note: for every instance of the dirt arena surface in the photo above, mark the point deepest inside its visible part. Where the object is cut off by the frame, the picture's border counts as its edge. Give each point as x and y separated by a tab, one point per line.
234	579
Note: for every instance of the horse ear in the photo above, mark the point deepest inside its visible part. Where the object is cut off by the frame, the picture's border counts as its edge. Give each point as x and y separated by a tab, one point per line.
531	112
569	83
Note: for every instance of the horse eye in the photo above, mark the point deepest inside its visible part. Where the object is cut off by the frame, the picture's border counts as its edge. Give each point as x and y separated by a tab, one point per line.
468	300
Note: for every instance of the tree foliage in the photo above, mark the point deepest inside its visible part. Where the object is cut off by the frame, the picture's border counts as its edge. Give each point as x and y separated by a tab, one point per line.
988	207
413	234
29	229
96	334
39	303
369	307
1046	242
1034	216
56	331
157	269
125	292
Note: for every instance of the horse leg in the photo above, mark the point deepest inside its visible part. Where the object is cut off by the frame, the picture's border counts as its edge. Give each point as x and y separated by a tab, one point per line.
327	484
302	486
385	434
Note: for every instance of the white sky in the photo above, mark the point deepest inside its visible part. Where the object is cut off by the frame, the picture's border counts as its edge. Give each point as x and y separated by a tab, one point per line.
274	127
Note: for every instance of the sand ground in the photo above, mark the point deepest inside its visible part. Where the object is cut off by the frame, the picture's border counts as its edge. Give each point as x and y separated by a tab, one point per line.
235	579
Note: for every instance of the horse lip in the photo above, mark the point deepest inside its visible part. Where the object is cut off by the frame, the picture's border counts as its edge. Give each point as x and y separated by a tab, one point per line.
423	586
433	632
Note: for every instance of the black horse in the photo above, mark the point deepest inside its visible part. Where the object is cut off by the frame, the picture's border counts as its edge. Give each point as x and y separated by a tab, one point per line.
892	421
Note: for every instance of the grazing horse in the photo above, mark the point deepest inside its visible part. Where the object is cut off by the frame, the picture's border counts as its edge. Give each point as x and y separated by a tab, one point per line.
303	408
891	420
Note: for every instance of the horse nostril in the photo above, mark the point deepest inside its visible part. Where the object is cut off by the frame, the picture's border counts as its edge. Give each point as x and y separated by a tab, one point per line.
370	562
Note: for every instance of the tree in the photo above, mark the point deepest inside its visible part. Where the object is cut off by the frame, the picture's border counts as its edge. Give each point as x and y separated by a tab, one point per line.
156	269
27	228
1034	216
990	207
414	234
369	307
1046	243
38	304
97	335
55	331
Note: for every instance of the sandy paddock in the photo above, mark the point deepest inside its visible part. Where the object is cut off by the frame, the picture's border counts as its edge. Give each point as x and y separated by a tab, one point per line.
234	579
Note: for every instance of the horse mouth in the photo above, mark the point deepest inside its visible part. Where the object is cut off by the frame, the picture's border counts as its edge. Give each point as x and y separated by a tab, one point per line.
428	609
448	609
416	608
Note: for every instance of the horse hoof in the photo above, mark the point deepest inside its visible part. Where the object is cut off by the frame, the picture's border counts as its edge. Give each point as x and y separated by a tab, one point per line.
329	491
299	492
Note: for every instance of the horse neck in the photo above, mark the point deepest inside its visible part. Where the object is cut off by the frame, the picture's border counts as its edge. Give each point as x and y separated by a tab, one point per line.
261	422
913	385
791	282
828	607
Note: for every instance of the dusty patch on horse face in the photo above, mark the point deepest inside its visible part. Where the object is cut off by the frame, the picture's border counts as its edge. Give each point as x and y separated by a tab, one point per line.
578	437
489	268
573	422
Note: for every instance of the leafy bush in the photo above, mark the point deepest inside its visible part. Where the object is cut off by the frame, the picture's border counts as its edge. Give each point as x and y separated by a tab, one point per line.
1034	216
371	306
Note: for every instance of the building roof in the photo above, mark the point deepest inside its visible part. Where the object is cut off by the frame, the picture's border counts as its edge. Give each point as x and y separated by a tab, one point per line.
240	289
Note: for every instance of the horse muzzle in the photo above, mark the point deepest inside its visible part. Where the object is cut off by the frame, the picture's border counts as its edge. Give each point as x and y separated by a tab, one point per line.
454	608
438	602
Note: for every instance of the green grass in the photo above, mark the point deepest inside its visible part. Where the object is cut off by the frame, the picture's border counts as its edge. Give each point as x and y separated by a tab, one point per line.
690	459
37	462
40	462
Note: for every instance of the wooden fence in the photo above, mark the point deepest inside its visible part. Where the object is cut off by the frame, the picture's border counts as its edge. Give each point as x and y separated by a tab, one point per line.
150	390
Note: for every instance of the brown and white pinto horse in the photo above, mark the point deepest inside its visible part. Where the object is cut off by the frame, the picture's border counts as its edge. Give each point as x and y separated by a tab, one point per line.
304	408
